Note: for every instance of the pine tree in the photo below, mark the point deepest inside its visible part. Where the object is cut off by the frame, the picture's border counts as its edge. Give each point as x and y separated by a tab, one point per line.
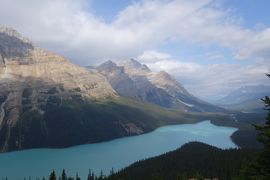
101	176
260	170
91	175
52	176
263	161
77	177
63	176
112	172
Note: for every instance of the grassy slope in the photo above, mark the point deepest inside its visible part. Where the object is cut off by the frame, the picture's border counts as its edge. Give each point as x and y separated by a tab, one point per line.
157	116
73	122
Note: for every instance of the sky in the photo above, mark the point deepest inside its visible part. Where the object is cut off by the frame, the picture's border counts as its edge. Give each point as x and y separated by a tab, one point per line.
210	46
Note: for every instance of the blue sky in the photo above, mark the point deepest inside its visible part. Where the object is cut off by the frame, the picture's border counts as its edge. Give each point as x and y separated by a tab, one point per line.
210	46
251	11
253	14
108	10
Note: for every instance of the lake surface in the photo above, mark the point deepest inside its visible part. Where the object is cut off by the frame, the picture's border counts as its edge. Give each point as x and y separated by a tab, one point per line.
115	154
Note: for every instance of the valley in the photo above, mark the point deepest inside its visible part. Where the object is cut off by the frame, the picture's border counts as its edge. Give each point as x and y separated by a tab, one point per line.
46	101
56	112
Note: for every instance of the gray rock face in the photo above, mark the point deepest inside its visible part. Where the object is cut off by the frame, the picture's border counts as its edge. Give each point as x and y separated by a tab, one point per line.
136	80
30	77
23	62
13	46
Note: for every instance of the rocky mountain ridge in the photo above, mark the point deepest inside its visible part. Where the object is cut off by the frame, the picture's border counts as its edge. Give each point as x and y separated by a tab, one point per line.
30	77
136	80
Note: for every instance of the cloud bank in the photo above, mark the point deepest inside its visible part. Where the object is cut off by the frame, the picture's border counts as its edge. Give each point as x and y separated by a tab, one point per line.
68	27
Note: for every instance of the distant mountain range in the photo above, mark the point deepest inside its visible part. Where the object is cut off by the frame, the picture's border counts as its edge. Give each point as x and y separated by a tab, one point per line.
46	101
246	98
136	80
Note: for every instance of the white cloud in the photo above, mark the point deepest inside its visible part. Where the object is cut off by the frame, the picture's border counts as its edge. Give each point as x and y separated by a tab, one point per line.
66	27
213	81
256	46
153	56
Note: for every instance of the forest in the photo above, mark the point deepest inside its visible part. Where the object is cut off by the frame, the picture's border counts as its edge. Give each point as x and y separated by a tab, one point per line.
193	160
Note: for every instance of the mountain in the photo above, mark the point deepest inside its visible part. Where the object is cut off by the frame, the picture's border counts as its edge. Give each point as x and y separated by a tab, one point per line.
46	101
247	98
136	80
193	160
32	80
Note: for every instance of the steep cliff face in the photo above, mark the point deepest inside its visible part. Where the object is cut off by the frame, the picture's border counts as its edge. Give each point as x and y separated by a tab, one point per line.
136	80
33	73
31	78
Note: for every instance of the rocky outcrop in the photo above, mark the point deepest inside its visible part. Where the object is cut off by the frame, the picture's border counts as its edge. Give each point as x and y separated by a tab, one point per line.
136	80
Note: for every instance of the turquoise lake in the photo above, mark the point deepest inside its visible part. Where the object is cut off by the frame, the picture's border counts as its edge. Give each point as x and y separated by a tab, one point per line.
115	154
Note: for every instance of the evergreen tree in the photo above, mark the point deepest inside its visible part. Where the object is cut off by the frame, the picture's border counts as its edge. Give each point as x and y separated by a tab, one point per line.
52	176
91	175
101	176
63	176
77	177
112	172
263	162
260	170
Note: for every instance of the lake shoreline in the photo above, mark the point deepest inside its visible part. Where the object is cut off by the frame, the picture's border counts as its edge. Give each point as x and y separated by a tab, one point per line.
117	138
117	153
